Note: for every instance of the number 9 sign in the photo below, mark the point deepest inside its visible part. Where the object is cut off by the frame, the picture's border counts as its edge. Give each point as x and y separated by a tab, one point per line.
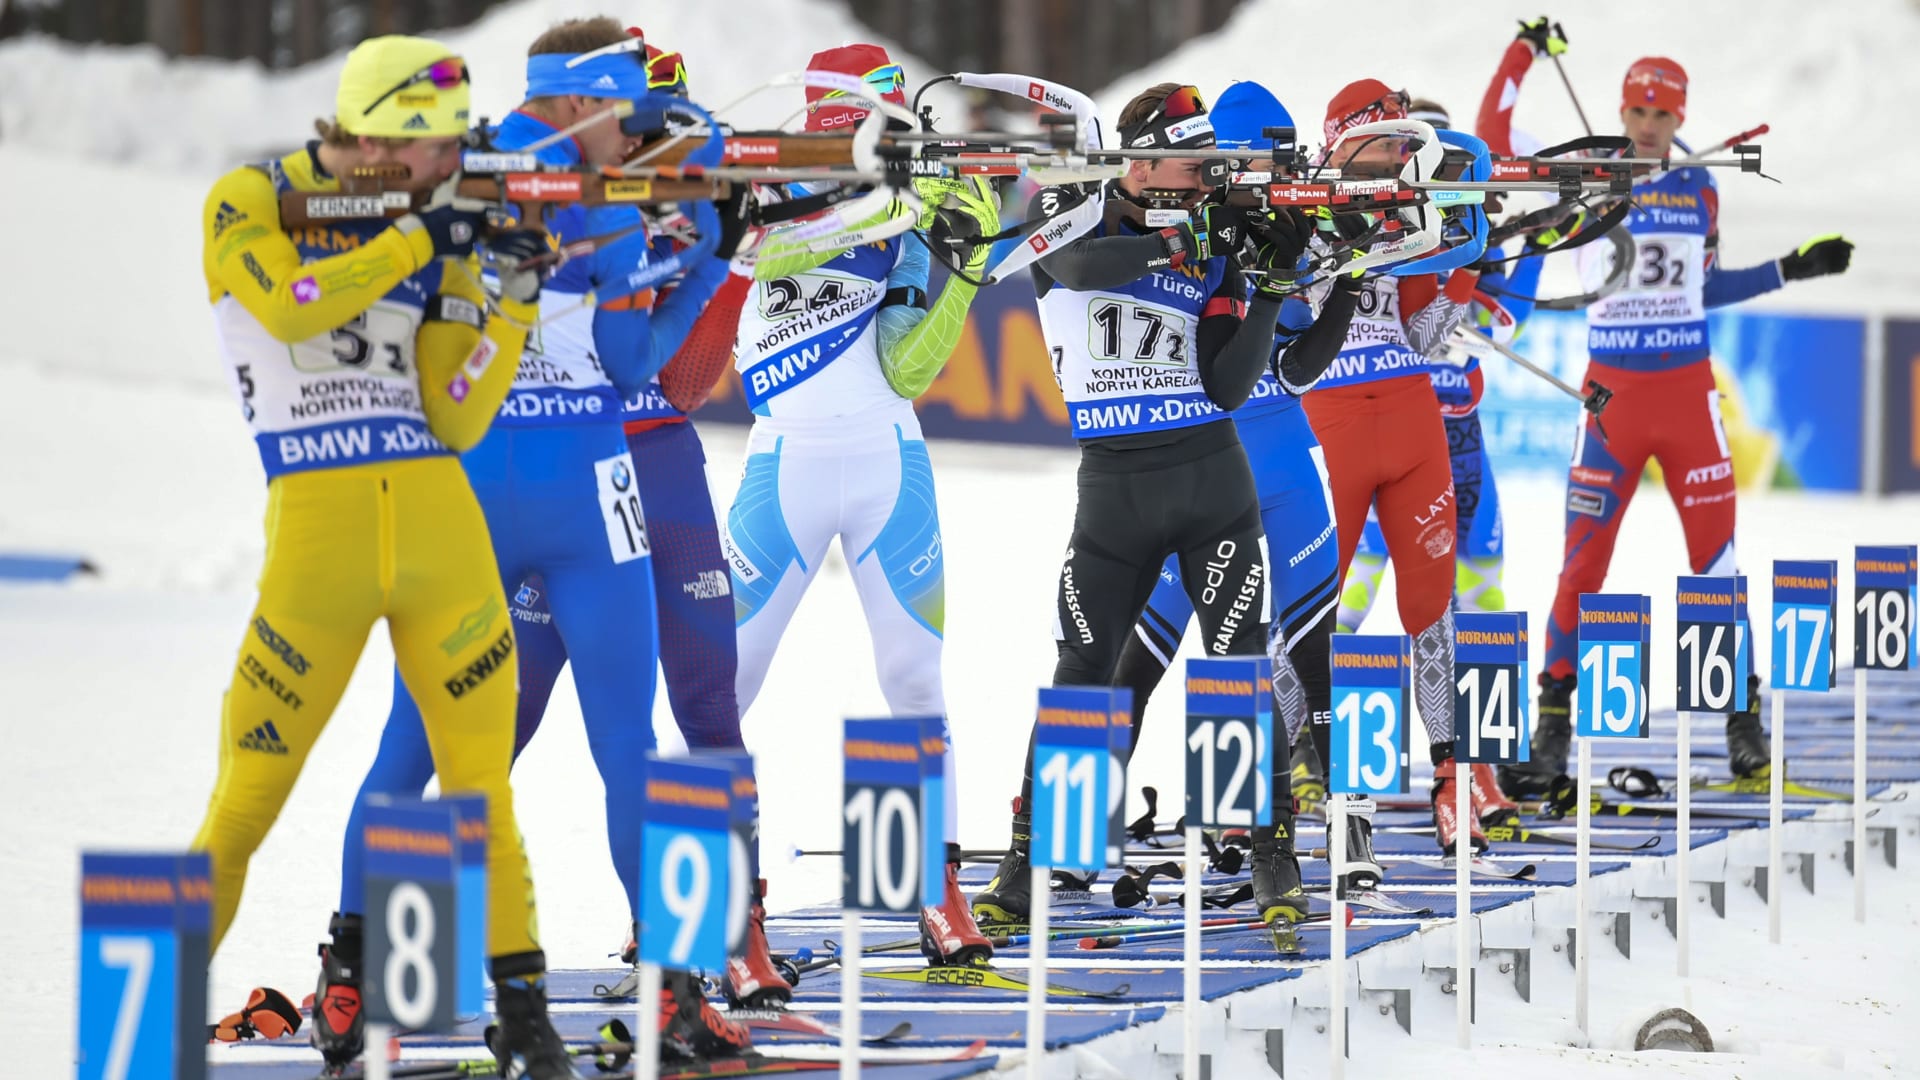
1613	641
1371	689
686	864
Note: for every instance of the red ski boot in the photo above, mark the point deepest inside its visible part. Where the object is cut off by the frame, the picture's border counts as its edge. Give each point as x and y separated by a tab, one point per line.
690	1027
1491	807
1446	824
753	981
948	935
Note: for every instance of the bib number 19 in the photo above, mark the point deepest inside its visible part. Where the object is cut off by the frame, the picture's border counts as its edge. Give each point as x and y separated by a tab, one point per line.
620	504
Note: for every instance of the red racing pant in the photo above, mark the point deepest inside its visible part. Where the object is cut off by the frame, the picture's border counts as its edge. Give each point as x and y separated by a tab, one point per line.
1674	418
1386	447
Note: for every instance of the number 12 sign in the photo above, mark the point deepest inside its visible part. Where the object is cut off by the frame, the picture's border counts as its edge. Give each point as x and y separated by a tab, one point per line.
1229	742
1615	642
1805	596
1372	688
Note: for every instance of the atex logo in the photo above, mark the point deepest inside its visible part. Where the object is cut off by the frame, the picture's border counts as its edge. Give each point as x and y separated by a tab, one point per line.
1710	473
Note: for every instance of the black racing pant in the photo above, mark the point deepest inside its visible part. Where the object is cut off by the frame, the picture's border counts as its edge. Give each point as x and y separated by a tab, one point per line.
1191	496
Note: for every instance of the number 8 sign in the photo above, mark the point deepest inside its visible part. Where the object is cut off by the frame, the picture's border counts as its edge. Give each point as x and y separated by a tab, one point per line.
685	864
1371	690
412	864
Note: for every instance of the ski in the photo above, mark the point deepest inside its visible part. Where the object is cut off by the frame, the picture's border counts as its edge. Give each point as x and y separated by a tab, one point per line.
1761	785
1480	868
785	1022
1374	900
749	1064
1520	834
987	978
1603	809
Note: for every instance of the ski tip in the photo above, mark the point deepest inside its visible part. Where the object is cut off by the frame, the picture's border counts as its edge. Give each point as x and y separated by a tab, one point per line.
974	1049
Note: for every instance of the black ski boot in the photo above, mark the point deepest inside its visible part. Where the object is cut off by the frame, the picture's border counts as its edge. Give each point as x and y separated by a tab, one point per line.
1309	777
526	1046
1277	893
1008	898
1363	867
339	1029
1552	734
692	1029
1748	754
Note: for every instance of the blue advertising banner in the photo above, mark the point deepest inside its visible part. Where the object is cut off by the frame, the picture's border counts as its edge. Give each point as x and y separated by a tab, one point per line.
1899	397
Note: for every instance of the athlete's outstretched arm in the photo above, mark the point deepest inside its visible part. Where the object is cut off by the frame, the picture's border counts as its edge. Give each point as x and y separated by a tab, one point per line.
915	340
466	360
634	338
1305	344
1429	312
249	256
689	378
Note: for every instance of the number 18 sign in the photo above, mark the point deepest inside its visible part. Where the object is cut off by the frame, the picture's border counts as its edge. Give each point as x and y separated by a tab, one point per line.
1615	642
1805	596
1372	688
1883	608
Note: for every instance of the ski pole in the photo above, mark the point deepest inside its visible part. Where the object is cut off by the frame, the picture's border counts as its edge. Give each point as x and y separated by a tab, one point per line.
1571	96
1594	401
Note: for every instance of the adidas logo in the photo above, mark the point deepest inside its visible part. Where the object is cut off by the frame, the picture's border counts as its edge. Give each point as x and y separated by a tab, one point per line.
605	82
225	218
265	739
416	122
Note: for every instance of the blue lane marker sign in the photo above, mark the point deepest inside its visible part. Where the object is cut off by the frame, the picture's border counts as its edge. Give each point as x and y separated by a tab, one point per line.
1806	597
1490	687
1372	687
1884	606
1229	742
685	862
1710	667
1078	780
145	923
881	846
1614	647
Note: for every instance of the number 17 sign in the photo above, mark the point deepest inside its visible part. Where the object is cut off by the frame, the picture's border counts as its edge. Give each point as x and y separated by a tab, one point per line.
1805	597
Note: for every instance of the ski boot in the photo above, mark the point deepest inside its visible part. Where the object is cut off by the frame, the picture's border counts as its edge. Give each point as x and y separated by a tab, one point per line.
1748	753
1008	898
1277	893
1553	733
526	1046
1491	807
1446	824
339	1029
753	980
1309	779
948	935
692	1029
1363	867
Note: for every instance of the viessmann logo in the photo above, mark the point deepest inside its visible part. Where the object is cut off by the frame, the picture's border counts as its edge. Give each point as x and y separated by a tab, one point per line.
543	186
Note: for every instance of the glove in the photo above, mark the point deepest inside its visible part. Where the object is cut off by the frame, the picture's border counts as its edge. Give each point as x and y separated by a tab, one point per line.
933	192
1279	239
510	250
1210	230
968	210
735	219
1541	239
451	222
1819	256
1546	37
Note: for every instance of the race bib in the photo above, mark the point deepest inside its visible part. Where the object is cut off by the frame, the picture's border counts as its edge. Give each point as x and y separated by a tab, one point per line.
379	341
620	506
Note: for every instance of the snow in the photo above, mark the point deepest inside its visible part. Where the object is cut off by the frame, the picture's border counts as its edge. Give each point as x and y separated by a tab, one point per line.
121	442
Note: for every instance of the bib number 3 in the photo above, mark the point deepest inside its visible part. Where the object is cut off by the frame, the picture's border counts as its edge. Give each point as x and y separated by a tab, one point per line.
619	494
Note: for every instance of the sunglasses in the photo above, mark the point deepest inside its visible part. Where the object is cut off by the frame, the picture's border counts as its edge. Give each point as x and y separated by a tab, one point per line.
630	45
887	79
1393	105
445	74
667	72
1185	101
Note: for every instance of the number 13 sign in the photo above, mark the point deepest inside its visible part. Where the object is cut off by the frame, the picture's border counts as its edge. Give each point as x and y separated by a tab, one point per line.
1371	689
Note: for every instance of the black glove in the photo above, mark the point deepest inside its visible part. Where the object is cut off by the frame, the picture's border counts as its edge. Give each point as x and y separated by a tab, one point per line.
1819	256
736	217
452	228
510	250
1279	239
1210	231
1546	37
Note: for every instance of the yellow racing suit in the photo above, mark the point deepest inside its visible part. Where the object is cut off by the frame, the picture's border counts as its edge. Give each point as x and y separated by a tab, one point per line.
363	365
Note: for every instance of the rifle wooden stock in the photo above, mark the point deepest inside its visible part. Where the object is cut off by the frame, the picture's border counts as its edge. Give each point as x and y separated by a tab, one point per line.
383	193
771	148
